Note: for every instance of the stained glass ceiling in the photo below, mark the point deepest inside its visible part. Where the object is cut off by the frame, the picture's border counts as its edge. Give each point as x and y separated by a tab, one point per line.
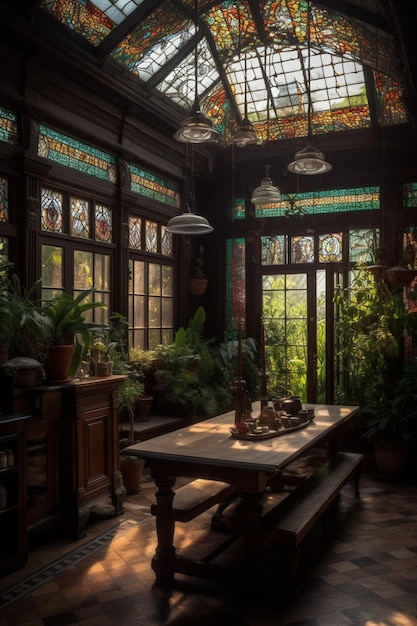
253	59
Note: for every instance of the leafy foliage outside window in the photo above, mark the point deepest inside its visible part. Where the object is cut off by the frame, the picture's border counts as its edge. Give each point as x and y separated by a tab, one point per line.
370	330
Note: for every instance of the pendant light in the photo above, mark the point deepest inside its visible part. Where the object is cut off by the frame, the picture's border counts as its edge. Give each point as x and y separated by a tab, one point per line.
309	161
245	133
197	127
188	223
266	193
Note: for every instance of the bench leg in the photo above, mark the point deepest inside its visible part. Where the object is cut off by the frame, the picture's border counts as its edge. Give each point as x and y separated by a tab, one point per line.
357	478
293	556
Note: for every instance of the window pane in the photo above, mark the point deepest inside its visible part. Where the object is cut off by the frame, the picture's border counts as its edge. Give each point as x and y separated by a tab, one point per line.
83	270
52	271
52	211
80	218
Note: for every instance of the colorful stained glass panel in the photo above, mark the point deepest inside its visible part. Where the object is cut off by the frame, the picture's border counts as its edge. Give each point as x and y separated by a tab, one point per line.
180	83
302	249
75	154
8	125
80	218
52	211
235	283
410	195
135	232
274	250
151	236
4	199
330	248
327	201
166	242
363	245
103	218
153	186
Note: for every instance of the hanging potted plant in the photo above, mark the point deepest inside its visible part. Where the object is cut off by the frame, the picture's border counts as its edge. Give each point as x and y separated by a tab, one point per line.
69	333
198	283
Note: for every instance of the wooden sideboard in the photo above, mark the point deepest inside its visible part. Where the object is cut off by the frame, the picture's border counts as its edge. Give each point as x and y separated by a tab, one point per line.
13	546
90	475
71	461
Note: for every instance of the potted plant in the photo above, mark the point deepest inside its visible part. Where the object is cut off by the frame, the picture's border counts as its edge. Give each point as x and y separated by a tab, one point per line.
198	283
142	362
389	424
131	467
69	333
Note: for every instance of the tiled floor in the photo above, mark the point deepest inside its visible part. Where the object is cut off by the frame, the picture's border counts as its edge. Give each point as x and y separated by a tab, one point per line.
363	573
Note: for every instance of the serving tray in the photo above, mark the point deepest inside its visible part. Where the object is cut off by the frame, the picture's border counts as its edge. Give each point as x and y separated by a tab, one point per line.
271	433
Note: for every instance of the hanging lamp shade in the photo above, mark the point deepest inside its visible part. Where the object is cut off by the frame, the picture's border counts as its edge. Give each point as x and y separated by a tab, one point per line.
189	223
196	128
309	161
244	135
266	193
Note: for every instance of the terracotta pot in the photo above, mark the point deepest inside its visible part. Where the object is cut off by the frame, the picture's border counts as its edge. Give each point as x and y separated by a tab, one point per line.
58	362
198	286
390	458
143	407
132	473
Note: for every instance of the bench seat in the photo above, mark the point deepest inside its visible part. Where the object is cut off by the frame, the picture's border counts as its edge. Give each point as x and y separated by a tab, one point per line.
196	497
290	521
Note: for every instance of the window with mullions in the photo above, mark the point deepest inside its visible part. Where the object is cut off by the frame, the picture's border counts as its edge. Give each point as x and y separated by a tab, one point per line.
89	225
4	249
151	303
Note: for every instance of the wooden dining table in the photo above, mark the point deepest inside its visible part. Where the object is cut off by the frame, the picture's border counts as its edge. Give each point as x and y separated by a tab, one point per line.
208	450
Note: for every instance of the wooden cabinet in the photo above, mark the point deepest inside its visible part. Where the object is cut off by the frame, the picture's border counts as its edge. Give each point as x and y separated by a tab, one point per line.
13	546
89	461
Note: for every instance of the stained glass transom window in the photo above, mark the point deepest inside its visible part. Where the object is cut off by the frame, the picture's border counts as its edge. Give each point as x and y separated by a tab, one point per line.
4	199
363	245
274	250
331	248
149	236
318	202
152	186
103	219
8	125
410	195
51	211
75	154
80	218
135	232
302	249
235	283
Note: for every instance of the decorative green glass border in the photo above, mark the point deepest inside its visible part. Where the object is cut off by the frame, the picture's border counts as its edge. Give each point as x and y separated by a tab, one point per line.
152	186
75	154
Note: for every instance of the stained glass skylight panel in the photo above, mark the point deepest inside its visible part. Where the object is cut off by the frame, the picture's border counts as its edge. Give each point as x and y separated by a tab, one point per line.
158	51
155	41
93	19
179	85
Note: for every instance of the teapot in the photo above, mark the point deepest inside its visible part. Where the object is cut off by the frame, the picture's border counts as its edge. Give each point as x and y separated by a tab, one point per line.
290	405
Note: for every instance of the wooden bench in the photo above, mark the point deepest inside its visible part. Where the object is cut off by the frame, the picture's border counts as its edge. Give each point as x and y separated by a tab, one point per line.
196	497
289	522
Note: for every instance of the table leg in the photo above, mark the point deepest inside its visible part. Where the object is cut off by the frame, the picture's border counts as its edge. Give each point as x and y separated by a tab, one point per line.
163	561
252	539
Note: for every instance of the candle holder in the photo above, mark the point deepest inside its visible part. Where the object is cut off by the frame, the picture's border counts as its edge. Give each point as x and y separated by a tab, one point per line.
239	386
264	390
